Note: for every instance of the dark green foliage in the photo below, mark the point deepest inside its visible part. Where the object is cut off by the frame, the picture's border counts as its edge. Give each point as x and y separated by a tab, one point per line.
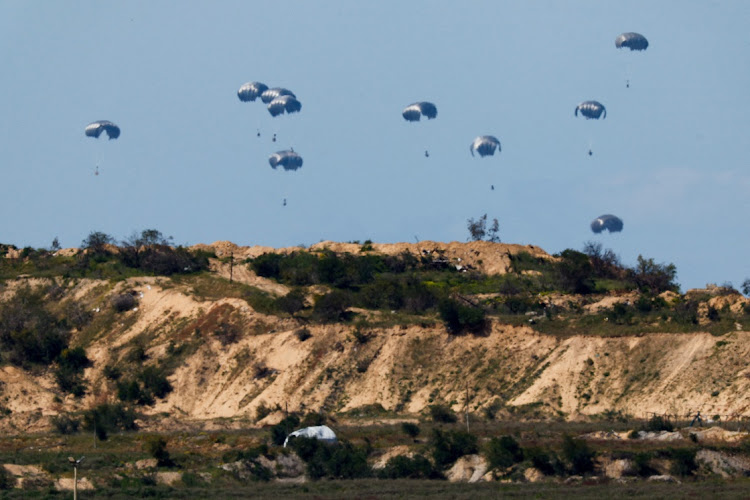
69	371
106	418
7	481
449	446
575	272
145	387
65	424
312	419
546	462
605	264
29	334
123	302
280	431
302	334
578	455
683	462
396	292
410	429
642	464
332	460
151	252
460	317
442	414
658	423
291	303
654	278
332	307
621	314
156	446
503	452
745	287
416	467
96	243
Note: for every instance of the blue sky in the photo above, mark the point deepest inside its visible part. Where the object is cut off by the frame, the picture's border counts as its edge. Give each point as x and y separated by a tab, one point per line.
671	158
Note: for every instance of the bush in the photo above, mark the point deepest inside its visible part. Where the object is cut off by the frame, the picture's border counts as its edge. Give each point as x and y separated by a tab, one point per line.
29	334
575	272
416	467
503	452
303	334
69	371
156	446
123	302
106	418
65	424
546	462
410	429
683	462
280	431
654	278
657	423
578	455
337	461
291	303
449	446
459	317
442	414
332	307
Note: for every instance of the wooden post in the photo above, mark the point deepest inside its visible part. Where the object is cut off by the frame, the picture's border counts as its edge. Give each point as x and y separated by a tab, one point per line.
75	481
231	266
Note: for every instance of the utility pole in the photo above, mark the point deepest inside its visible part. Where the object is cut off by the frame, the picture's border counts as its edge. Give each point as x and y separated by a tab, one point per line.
75	464
467	406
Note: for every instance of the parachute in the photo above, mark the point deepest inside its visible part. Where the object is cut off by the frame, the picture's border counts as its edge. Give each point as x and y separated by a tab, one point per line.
270	94
413	112
95	129
591	109
251	91
287	103
319	432
632	41
610	222
289	160
485	145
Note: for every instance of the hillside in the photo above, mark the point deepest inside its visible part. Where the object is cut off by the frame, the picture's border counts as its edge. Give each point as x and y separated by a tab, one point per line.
230	356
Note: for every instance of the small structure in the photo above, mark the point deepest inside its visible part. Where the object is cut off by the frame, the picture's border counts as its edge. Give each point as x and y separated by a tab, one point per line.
320	432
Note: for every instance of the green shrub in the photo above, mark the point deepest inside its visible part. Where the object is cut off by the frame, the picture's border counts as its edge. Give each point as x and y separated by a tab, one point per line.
123	302
683	462
459	317
654	278
442	414
579	456
546	462
29	334
280	431
410	429
69	371
503	452
65	424
658	423
449	446
106	418
291	303
156	446
332	307
303	334
416	467
7	481
575	272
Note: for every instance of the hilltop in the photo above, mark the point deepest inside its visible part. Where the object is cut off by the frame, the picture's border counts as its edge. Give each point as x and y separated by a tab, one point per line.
422	324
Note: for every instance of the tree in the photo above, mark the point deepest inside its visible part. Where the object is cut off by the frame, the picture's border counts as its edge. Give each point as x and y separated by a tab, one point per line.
478	230
653	277
55	245
746	287
96	242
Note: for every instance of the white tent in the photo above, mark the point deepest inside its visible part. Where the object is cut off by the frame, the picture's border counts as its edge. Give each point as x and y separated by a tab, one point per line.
321	432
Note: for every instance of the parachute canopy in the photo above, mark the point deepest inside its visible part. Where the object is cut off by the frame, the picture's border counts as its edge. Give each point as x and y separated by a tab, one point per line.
413	112
591	109
633	41
610	222
485	145
287	103
270	94
320	432
95	129
251	91
287	159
